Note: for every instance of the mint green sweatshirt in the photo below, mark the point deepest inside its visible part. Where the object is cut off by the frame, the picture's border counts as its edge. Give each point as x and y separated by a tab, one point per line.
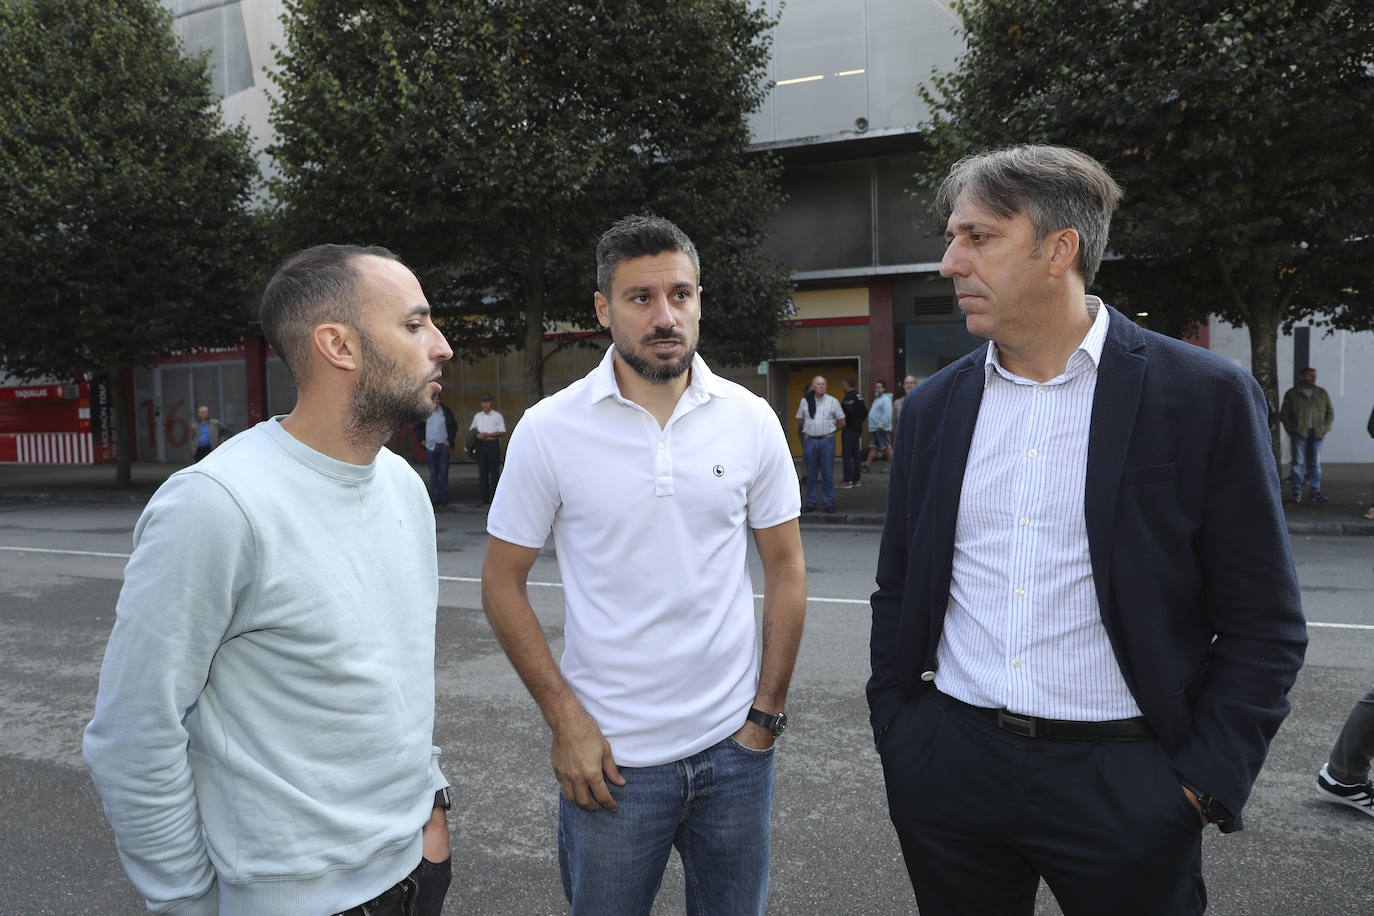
262	739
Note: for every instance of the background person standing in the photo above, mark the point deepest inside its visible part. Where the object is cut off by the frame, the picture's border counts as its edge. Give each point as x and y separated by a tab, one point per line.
908	383
1307	417
820	416
209	433
1369	428
438	432
490	426
855	410
879	425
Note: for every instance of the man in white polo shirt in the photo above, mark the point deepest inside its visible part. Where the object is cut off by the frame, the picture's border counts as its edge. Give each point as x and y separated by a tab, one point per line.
650	472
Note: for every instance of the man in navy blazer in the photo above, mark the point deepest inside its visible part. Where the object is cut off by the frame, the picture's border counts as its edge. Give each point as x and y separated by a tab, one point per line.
1087	618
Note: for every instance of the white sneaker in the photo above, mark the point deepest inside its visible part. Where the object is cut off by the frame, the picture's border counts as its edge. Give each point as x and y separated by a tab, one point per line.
1359	797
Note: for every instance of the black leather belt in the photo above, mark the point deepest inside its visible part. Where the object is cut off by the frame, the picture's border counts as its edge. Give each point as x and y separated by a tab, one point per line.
1135	729
826	436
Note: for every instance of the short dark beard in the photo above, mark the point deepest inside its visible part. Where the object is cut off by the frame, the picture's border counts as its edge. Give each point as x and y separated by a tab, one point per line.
379	406
656	372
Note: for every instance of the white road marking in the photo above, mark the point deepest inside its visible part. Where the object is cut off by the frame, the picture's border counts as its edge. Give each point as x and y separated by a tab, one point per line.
72	553
474	580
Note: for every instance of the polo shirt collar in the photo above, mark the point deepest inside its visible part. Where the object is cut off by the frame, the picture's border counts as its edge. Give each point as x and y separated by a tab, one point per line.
703	385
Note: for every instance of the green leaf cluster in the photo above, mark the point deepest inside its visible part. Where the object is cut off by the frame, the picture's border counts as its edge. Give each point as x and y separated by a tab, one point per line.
1241	132
489	142
125	225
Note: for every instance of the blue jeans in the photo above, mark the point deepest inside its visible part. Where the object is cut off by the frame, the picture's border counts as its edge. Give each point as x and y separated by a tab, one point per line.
438	473
820	465
713	807
1307	463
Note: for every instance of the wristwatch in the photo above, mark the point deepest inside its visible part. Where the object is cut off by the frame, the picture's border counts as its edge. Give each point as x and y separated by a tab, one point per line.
1213	810
443	799
775	724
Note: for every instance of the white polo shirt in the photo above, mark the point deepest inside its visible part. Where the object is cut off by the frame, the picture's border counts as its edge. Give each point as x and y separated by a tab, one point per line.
487	423
651	528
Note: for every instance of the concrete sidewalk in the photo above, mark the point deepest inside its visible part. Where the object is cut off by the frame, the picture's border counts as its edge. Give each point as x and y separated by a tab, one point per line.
1349	487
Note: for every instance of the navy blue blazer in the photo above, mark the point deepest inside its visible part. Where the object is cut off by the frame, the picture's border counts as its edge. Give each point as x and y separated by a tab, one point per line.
1186	533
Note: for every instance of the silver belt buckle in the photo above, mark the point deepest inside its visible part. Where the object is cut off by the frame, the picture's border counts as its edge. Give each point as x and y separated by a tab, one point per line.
1018	725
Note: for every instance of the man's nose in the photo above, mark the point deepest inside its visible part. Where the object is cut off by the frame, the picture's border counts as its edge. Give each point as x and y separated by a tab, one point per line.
953	263
663	314
444	352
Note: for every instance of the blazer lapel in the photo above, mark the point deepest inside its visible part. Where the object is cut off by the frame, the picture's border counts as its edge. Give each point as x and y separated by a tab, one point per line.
1116	401
956	437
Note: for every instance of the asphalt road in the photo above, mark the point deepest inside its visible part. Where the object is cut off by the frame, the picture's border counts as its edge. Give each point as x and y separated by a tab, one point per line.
833	851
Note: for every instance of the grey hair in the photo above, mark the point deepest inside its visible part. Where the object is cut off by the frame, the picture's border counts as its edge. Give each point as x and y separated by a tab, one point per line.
637	237
311	287
1055	186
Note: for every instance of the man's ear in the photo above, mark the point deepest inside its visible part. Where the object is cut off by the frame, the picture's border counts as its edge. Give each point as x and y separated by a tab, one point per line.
603	309
1063	247
338	344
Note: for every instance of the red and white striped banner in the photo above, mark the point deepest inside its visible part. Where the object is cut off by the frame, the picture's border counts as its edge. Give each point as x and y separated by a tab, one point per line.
49	448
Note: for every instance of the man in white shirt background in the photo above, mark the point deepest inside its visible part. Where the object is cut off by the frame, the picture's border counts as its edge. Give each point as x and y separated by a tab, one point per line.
490	426
819	416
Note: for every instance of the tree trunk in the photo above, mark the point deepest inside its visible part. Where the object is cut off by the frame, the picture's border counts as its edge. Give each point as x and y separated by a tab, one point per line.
534	281
123	426
1264	361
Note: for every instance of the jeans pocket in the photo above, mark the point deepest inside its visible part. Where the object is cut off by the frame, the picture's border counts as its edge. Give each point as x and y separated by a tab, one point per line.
751	751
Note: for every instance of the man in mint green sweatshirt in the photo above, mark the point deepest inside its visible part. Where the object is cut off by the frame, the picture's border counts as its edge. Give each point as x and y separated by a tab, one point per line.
262	739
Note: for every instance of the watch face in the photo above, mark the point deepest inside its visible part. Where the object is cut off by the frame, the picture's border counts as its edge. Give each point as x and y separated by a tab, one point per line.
781	725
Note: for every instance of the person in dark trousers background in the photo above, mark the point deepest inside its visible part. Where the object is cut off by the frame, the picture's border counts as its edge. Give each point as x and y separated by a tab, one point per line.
855	410
490	426
1369	428
1087	618
1344	778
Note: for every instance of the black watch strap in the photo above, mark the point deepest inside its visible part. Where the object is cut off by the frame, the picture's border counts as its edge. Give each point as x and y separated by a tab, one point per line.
775	724
443	799
1213	810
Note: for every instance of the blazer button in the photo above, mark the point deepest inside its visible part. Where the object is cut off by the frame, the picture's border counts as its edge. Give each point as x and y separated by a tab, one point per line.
927	676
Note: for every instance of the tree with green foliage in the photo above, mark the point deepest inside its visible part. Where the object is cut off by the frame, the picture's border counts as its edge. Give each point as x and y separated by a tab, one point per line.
125	228
491	143
1241	133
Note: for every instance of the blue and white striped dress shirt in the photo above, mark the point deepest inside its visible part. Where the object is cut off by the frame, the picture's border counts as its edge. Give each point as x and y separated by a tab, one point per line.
1024	630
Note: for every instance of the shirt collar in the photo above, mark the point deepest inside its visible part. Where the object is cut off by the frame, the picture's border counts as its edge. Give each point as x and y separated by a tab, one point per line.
1089	352
701	387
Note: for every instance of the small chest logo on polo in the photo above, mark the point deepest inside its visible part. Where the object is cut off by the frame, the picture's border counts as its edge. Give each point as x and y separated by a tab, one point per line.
718	470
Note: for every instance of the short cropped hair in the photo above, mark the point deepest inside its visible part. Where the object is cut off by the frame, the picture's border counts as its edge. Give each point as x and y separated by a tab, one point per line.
638	237
313	286
1056	187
